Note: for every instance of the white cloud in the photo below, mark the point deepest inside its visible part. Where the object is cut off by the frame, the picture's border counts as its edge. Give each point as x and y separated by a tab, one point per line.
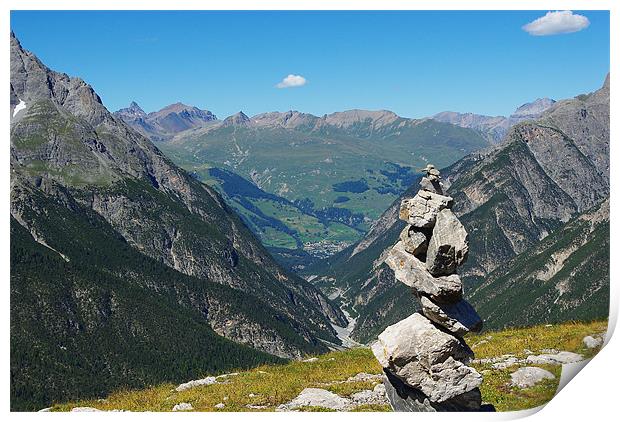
560	22
292	81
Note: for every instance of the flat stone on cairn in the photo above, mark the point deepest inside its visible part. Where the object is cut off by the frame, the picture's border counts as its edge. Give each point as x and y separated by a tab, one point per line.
424	356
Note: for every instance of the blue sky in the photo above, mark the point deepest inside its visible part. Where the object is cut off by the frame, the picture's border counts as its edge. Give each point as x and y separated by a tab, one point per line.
415	63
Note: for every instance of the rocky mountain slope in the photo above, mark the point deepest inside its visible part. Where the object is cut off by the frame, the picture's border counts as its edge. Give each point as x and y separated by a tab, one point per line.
496	127
92	198
563	277
340	170
509	198
164	124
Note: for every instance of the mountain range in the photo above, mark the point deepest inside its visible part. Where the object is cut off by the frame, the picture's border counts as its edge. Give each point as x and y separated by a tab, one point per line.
510	198
319	182
125	269
494	128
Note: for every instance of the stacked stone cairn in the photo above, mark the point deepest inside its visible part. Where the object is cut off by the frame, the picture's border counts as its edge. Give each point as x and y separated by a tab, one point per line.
424	356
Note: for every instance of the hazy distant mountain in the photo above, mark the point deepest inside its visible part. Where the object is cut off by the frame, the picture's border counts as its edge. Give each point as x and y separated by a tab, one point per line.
496	127
165	123
509	197
125	270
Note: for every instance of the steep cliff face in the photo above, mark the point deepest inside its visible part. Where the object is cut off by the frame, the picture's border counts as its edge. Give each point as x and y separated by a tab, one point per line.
69	154
509	198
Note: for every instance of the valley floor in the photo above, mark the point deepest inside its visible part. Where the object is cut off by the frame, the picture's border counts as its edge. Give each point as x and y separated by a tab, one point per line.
344	373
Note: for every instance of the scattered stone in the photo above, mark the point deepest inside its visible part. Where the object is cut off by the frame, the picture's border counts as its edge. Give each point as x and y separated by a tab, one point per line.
448	246
310	360
414	242
592	342
316	397
459	318
255	406
85	409
529	376
219	406
232	374
375	396
412	272
363	376
560	358
47	409
511	361
196	383
251	395
421	210
181	407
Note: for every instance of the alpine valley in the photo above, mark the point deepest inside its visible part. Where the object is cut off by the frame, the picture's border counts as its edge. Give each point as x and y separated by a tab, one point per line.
154	248
535	207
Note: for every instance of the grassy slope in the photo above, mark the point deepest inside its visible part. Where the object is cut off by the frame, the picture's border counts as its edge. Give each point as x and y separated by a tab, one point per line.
322	166
272	385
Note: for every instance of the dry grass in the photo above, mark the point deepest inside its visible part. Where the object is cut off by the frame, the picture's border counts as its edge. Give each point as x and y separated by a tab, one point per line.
271	385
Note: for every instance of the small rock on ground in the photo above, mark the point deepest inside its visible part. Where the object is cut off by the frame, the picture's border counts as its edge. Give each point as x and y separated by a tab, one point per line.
529	376
85	409
374	396
182	406
557	358
316	397
219	406
310	360
364	376
592	342
196	383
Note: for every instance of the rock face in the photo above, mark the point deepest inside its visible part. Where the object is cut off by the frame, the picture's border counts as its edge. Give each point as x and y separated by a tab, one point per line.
424	356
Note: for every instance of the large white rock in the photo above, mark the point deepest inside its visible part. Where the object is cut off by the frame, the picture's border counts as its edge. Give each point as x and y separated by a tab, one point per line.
459	318
559	358
421	210
426	358
196	383
317	397
411	271
448	246
529	376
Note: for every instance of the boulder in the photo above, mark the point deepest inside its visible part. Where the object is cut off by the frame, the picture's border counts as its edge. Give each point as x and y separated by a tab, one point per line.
406	399
459	318
421	210
316	397
426	358
411	271
448	246
414	242
529	376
